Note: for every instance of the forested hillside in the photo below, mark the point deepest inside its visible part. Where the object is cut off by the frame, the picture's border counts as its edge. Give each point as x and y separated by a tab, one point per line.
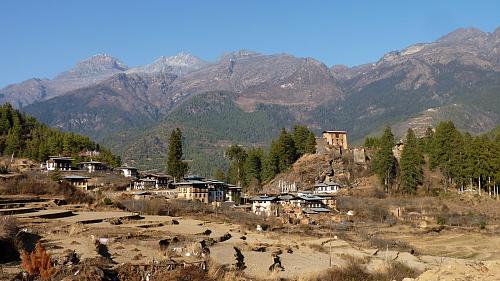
210	122
23	136
467	162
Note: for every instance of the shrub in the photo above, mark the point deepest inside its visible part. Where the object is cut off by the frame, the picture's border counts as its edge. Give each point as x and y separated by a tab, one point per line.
441	220
482	225
37	184
38	263
8	227
4	169
107	201
355	271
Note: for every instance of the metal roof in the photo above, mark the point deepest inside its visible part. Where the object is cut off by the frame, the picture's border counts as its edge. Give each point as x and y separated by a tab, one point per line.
193	177
60	158
323	184
263	198
320	210
332	131
74	177
147	180
190	182
308	197
90	162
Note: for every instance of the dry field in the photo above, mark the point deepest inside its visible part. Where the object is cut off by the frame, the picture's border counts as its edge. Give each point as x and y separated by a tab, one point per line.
130	238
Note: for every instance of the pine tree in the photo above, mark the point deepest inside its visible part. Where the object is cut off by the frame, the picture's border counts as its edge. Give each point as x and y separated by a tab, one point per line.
272	161
175	166
304	140
13	141
427	140
253	165
371	142
238	155
4	121
384	161
411	164
287	151
446	150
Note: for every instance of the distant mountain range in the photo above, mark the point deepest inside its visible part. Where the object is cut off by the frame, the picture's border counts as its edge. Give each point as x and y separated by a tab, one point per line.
246	97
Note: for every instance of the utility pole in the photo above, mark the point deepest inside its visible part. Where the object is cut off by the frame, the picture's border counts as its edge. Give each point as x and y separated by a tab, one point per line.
330	249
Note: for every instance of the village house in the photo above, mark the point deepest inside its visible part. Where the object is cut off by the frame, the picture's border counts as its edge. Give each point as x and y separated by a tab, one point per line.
91	166
336	138
143	184
216	191
233	193
58	163
309	203
165	193
328	199
292	207
264	205
128	172
326	187
206	191
192	188
78	181
160	180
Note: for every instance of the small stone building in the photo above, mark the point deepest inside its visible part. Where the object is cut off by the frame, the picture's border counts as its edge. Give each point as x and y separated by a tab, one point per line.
336	138
78	181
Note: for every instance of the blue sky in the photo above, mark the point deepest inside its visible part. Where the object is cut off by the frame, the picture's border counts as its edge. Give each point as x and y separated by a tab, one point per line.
42	38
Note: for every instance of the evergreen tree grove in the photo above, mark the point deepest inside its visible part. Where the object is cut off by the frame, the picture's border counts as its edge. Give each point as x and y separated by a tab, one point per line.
411	164
24	136
384	161
237	155
175	166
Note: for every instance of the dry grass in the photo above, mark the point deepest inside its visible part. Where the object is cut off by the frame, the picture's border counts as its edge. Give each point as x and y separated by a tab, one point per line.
8	227
185	208
37	184
355	270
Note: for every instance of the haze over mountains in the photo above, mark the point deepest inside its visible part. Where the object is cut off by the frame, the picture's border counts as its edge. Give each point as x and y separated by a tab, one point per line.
246	97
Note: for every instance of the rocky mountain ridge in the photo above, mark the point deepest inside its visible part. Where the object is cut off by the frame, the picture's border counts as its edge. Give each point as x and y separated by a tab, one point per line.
456	77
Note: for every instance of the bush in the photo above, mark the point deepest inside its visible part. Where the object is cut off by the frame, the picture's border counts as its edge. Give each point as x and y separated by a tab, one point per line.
37	184
441	220
38	263
107	201
482	225
8	227
355	271
189	273
4	169
366	208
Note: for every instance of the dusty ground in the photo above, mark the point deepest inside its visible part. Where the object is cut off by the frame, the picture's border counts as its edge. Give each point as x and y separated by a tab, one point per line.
469	255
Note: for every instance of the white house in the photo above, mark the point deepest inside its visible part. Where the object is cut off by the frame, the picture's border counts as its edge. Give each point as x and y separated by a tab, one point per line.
265	205
326	187
142	184
91	166
59	163
127	171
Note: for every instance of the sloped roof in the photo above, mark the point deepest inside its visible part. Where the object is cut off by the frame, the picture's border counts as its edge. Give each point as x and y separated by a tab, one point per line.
263	198
75	177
